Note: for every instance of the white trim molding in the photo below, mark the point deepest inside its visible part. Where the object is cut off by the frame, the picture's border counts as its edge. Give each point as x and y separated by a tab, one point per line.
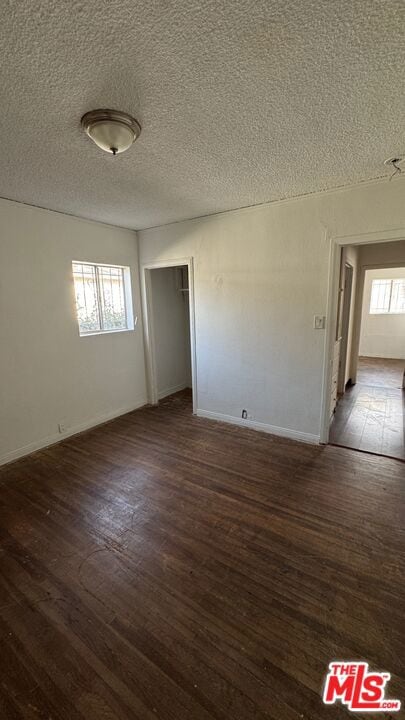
261	427
74	430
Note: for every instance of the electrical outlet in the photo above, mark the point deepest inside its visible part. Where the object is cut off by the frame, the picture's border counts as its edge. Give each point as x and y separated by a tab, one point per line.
62	427
244	414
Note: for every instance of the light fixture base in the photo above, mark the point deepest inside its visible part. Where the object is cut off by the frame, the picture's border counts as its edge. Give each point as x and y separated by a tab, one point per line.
398	159
112	130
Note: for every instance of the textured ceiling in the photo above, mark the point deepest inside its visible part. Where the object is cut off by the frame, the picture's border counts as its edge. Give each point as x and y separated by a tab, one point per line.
240	102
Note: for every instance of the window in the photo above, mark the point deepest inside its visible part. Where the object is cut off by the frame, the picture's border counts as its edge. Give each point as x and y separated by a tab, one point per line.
103	298
387	296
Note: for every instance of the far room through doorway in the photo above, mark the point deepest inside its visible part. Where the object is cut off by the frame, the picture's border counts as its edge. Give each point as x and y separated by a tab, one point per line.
368	413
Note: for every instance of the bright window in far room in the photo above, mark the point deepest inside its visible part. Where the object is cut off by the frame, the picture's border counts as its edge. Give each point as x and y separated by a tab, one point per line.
103	298
387	297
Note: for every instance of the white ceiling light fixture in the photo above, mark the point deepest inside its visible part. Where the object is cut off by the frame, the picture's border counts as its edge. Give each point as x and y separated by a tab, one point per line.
112	130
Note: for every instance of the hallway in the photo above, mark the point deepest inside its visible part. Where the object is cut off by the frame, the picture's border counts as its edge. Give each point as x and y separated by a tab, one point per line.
370	415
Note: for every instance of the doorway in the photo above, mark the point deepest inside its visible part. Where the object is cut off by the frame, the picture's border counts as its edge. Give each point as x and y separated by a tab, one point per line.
370	413
367	251
168	304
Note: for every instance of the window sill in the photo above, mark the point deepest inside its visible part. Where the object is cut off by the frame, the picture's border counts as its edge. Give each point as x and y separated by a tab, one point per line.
106	332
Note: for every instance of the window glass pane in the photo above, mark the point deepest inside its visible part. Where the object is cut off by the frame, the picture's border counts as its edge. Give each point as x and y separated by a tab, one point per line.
112	297
101	293
380	296
84	277
398	296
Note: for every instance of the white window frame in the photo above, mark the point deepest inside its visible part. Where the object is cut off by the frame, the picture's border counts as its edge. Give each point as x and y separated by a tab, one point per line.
130	321
389	311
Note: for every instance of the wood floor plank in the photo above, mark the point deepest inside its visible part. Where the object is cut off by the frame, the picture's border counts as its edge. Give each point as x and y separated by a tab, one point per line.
167	566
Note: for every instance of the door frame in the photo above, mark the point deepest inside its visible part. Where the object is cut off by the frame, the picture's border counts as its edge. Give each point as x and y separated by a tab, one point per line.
335	245
346	311
148	327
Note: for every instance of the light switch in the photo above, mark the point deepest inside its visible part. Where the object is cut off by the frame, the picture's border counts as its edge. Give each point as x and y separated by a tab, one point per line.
319	322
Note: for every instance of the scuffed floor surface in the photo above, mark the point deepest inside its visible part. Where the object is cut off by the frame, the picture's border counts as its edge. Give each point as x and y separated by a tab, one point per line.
370	416
166	566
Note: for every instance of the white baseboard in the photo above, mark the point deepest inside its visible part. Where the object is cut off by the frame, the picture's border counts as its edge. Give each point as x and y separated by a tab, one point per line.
383	356
251	424
170	391
53	439
262	427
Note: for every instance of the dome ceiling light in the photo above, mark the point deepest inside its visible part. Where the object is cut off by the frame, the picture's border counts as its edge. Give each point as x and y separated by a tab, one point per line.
112	130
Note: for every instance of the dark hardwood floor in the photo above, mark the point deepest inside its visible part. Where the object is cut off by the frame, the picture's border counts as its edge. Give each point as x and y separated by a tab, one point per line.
166	566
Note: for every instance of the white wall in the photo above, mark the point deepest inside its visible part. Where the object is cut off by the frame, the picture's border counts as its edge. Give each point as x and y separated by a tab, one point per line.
171	331
381	335
380	254
48	373
260	276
